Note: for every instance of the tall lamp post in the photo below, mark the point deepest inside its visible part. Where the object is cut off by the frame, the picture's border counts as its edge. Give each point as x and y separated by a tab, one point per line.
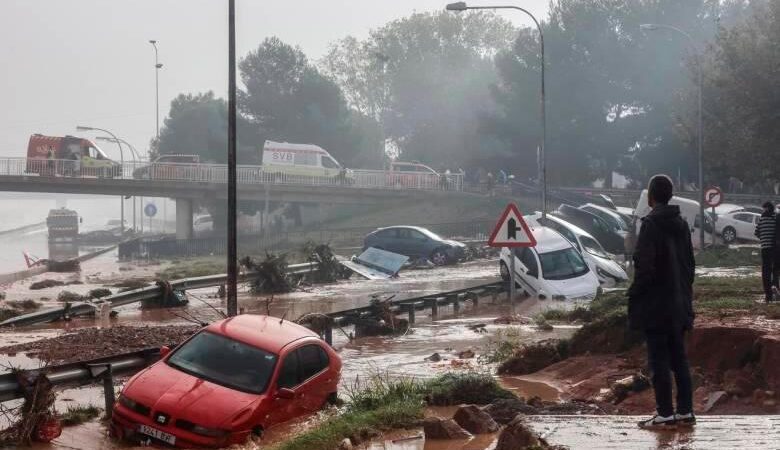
157	67
232	251
136	158
700	133
461	6
122	162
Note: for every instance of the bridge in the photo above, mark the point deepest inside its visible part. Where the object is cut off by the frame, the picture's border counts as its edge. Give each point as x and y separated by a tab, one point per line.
188	182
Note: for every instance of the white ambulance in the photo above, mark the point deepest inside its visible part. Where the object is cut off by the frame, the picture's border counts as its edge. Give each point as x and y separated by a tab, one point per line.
306	160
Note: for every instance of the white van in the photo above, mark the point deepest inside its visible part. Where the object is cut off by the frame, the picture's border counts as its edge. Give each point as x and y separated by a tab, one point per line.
306	160
689	210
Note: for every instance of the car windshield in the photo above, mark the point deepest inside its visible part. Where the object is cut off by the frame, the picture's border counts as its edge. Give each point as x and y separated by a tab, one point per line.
226	362
593	247
562	264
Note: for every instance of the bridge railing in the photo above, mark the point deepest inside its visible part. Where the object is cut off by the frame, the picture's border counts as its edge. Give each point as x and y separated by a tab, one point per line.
217	173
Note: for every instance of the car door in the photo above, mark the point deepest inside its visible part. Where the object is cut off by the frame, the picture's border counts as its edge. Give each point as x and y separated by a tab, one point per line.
284	409
744	225
313	363
419	244
527	270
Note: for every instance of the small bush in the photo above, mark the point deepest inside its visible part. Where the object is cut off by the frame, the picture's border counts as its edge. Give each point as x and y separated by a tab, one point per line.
76	415
43	284
8	313
99	293
24	305
471	388
532	358
68	296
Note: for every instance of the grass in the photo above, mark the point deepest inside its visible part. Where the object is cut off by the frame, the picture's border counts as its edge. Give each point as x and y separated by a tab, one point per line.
76	415
381	404
729	257
24	305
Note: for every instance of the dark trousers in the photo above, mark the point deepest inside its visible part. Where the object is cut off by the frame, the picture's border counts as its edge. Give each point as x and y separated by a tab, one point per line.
666	355
768	271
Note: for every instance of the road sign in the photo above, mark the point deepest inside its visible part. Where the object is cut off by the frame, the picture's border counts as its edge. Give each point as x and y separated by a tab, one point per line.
150	210
713	196
511	230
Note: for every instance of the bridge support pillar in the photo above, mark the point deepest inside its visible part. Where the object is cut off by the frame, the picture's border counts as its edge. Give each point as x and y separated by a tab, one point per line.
183	218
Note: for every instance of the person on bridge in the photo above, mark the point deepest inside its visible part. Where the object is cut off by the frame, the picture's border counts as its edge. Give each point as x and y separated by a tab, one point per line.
765	232
660	303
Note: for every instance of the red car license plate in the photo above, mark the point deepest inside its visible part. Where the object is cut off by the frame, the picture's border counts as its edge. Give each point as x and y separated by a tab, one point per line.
157	434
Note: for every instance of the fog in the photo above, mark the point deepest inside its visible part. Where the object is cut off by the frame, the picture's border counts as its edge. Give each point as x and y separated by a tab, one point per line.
89	62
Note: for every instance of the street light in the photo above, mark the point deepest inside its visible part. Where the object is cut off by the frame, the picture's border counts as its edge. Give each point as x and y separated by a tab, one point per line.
136	157
461	6
157	67
122	161
700	137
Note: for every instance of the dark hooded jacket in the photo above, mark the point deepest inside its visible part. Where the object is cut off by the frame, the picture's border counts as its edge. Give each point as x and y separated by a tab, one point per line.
660	298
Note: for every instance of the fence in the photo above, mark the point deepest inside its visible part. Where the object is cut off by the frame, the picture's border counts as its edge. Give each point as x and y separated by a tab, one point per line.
256	244
217	173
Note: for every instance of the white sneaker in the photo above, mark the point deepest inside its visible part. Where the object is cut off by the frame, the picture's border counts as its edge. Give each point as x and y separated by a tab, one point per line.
685	419
658	423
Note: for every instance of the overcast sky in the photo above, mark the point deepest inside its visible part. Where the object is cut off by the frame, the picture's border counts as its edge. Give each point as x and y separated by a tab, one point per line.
88	62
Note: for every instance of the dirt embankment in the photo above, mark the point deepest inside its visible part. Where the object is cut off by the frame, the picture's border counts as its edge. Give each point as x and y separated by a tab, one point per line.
92	343
735	364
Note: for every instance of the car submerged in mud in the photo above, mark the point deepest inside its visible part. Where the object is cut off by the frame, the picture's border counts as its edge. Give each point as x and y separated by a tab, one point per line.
235	377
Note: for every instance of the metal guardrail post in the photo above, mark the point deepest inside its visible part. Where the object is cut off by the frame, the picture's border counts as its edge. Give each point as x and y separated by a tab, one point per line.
434	308
103	371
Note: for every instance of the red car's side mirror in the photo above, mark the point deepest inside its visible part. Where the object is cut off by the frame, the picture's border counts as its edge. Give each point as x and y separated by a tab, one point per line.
164	350
285	393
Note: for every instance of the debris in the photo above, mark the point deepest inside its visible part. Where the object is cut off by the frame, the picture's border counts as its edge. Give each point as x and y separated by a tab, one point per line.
130	284
512	319
466	354
68	296
168	298
47	283
35	418
438	428
330	268
71	265
478	328
715	399
434	358
382	321
272	270
620	389
474	420
376	264
99	293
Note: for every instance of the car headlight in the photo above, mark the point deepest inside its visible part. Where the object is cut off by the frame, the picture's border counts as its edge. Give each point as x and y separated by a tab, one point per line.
210	432
603	273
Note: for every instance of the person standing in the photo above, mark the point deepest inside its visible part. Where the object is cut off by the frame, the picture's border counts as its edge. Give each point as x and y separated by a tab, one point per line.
765	232
660	303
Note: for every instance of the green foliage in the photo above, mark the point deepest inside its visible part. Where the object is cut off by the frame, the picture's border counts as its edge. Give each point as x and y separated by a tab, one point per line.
196	267
288	99
728	257
471	388
76	415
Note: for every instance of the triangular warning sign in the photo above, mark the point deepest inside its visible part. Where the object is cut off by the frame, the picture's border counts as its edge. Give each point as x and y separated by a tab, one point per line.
511	230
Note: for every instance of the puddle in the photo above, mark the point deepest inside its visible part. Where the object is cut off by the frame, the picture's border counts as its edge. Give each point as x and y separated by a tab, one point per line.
527	388
728	272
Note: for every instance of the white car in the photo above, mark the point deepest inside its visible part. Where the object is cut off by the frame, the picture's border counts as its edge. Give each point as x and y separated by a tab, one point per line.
608	271
737	225
554	269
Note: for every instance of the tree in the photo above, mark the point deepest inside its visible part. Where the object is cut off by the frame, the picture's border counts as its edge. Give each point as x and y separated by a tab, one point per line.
742	100
288	99
197	125
425	78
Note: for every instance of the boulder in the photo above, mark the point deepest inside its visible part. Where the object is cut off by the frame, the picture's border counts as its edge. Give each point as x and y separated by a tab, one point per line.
505	410
466	354
438	428
474	420
346	444
518	435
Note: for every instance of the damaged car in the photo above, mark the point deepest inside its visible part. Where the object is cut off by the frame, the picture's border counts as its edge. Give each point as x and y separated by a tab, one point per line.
416	242
235	377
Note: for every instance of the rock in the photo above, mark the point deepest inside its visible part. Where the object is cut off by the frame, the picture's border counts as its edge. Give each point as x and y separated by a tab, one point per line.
346	444
505	410
434	358
714	399
739	382
438	428
466	354
474	420
517	435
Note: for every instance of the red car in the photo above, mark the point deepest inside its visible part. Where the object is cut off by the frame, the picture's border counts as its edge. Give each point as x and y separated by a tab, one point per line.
237	376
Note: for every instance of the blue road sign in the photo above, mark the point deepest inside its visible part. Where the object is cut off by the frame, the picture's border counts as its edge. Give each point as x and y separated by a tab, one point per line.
150	210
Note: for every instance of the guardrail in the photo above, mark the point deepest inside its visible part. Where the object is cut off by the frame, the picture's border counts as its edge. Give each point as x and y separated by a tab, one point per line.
103	369
143	294
217	173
